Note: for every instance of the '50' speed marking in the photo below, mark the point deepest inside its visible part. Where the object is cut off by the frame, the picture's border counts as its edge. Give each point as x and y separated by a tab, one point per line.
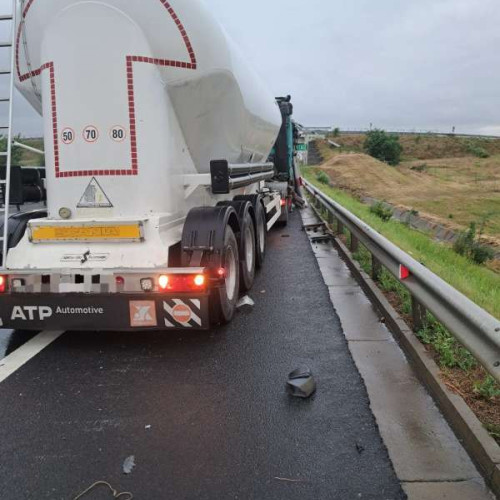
68	136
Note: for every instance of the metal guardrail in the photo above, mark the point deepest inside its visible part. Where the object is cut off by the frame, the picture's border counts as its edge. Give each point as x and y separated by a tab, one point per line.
362	131
477	330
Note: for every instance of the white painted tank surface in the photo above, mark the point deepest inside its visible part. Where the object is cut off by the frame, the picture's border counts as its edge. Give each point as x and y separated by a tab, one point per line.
134	96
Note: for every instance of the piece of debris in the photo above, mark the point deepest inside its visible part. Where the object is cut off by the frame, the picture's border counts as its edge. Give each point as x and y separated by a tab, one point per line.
289	480
147	427
125	495
129	464
262	291
301	383
360	448
245	305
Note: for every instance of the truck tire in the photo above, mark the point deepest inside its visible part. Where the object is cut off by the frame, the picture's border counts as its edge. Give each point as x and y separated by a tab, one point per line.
223	300
246	241
260	227
248	244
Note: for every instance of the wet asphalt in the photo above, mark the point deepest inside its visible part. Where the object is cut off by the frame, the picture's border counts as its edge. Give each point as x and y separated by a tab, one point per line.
205	415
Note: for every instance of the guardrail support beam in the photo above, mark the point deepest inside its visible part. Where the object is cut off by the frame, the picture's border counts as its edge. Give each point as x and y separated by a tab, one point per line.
340	228
354	244
419	315
376	268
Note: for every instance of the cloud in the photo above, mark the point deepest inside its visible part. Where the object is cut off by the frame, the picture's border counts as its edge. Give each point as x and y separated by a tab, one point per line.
432	64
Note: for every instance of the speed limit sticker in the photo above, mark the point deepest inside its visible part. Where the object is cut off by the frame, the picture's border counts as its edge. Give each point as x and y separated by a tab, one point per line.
68	135
90	133
118	133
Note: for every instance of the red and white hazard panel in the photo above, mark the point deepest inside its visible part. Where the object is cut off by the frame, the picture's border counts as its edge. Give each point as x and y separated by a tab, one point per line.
183	313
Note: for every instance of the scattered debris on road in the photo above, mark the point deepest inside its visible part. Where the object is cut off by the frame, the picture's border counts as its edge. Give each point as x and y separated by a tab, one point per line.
245	305
129	464
301	383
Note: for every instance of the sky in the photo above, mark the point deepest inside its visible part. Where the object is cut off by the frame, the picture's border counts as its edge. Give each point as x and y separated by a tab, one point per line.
426	65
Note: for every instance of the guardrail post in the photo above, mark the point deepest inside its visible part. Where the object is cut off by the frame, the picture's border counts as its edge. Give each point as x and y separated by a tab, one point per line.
376	268
340	228
331	218
419	314
354	244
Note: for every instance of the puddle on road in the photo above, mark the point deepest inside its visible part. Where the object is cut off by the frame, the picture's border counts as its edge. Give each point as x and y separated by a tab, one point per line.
10	340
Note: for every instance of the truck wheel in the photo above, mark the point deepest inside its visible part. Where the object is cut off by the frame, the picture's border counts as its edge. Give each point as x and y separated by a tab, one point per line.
248	244
260	226
261	234
224	298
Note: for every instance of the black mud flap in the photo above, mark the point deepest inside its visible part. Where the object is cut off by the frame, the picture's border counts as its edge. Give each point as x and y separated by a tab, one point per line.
118	312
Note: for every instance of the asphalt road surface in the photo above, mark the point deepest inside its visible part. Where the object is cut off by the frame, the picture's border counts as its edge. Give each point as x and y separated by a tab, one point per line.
205	415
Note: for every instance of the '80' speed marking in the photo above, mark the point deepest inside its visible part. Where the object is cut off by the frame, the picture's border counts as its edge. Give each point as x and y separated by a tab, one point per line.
118	133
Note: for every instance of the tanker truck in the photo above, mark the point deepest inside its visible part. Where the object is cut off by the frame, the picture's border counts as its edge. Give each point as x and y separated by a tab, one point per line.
159	190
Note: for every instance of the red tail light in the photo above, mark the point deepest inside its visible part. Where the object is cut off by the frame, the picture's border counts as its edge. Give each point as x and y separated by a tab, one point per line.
3	284
182	283
163	282
283	202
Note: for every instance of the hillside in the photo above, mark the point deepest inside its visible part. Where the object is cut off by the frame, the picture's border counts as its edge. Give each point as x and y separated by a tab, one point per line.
424	147
452	190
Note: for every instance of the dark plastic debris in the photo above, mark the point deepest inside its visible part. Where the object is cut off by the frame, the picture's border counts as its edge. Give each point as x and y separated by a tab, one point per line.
301	383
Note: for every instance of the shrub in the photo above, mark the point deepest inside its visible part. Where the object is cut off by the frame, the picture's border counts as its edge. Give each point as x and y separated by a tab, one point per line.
380	210
451	353
476	150
336	132
487	388
419	168
468	244
323	178
383	146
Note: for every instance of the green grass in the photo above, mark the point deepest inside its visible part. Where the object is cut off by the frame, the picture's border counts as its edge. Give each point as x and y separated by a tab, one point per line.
478	283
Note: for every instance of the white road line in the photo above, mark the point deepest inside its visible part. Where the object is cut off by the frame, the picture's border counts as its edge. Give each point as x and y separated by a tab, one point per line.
21	356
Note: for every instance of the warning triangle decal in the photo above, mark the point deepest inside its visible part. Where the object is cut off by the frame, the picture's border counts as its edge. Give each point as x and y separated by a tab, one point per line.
94	196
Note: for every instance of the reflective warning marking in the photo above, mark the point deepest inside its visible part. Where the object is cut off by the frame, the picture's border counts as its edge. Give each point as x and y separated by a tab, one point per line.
94	196
180	314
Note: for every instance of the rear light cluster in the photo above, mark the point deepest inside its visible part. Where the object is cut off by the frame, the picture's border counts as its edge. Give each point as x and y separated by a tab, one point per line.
3	284
182	283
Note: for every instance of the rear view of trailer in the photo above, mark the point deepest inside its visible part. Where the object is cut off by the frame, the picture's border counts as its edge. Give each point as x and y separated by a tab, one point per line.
157	136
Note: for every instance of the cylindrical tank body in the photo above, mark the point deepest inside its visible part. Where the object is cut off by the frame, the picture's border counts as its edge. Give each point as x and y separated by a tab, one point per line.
134	96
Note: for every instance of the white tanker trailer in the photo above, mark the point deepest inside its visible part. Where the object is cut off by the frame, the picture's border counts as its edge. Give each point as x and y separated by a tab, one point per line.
157	137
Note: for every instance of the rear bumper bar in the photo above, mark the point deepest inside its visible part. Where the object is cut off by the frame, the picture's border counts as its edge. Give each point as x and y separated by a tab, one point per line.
117	312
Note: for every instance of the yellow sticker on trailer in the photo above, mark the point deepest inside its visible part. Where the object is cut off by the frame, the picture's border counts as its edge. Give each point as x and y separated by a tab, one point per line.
121	232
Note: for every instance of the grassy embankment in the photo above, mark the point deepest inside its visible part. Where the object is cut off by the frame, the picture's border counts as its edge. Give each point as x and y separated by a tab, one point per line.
478	283
441	177
29	158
